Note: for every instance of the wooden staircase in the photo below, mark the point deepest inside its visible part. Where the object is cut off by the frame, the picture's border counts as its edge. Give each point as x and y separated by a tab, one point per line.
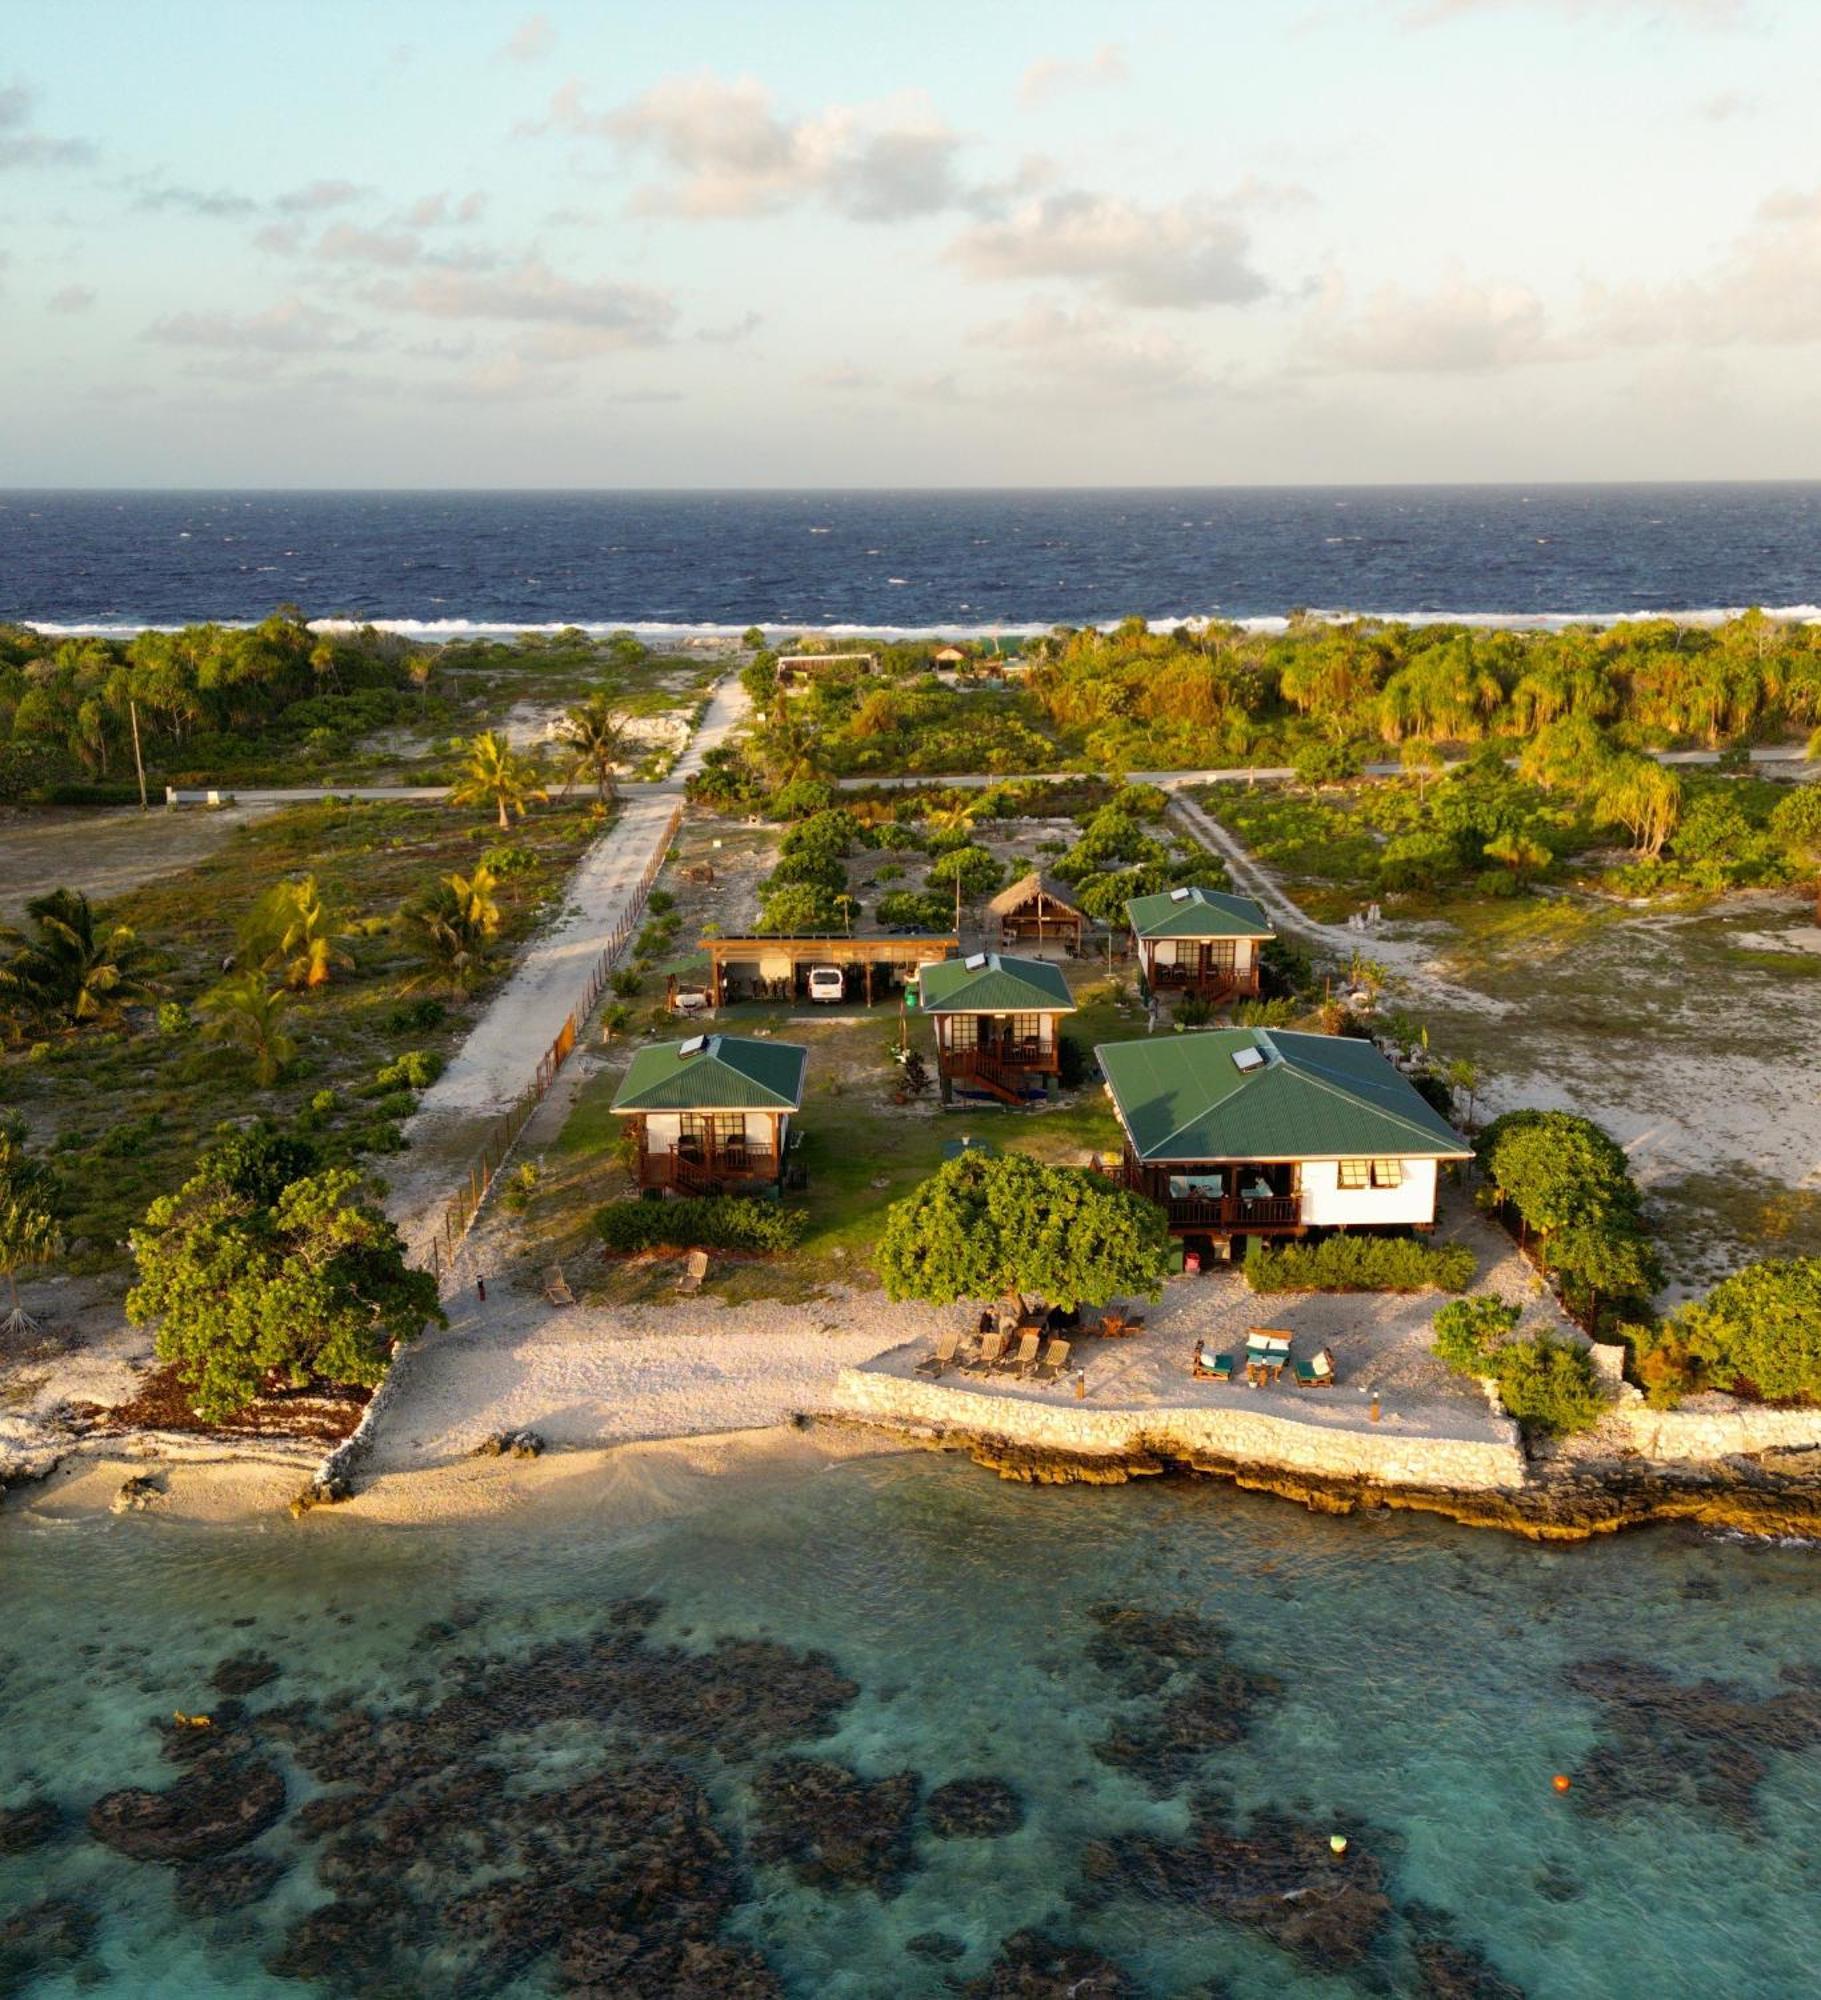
978	1071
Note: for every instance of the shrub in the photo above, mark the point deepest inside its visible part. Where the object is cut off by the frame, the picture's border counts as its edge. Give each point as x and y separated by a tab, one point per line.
1468	1330
915	910
1360	1264
660	902
625	983
1327	763
974	868
714	1222
1759	1329
1549	1384
173	1018
416	1015
416	1069
804	909
509	859
832	834
1265	1013
802	798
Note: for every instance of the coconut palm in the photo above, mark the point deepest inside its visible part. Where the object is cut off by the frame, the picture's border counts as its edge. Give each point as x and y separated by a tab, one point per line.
499	776
594	735
453	923
244	1010
65	969
293	928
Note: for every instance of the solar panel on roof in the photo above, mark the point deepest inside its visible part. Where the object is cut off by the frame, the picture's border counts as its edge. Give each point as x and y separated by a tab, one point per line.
1181	895
975	963
694	1046
1245	1059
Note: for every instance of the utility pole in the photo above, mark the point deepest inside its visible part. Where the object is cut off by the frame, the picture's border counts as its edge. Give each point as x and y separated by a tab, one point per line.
132	709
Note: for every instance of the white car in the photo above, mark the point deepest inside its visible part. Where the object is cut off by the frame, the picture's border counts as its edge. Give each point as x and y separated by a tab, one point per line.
827	982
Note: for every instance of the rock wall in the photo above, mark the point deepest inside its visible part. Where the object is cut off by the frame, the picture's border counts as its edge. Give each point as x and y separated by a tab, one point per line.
1255	1437
1712	1427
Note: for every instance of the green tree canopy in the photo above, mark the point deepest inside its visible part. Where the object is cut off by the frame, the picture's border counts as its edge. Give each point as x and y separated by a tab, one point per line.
29	1235
1795	822
253	1283
1559	1170
1760	1327
985	1228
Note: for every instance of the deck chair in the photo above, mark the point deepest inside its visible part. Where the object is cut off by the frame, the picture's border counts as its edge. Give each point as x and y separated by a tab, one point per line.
695	1269
1215	1367
1315	1373
992	1347
948	1346
1025	1359
556	1287
1055	1360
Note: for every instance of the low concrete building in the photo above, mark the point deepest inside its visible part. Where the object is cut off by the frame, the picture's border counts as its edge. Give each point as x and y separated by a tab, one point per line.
1241	1132
998	1024
1200	941
712	1115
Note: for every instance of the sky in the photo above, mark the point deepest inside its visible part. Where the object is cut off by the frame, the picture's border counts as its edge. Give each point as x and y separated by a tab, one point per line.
438	243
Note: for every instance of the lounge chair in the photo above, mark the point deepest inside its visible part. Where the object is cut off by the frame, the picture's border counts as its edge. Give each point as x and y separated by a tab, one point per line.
695	1269
1025	1359
1055	1360
948	1346
1315	1373
992	1347
556	1287
1214	1367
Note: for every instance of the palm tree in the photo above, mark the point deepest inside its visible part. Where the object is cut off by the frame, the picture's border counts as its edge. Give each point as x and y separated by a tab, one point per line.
66	971
453	923
245	1010
293	927
594	733
498	775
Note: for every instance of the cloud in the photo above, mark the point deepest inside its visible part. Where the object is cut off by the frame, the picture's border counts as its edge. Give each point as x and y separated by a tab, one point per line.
345	243
1726	105
615	315
71	299
434	211
316	196
842	376
532	38
1461	328
740	329
290	327
1189	253
219	203
1765	291
23	145
725	152
283	239
1052	76
1094	351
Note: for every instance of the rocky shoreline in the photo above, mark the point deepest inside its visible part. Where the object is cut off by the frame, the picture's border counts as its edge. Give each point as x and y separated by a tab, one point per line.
1773	1494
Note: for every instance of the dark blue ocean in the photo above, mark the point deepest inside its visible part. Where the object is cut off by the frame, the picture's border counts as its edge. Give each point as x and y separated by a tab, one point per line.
881	560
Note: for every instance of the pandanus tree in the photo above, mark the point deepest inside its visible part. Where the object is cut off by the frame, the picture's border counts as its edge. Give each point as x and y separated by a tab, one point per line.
67	968
497	775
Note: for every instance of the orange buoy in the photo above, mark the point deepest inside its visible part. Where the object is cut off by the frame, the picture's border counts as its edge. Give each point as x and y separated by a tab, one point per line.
1561	1781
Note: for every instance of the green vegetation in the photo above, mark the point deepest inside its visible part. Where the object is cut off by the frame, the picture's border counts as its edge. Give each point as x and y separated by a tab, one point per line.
594	737
1757	1333
1468	1332
1570	1185
66	971
987	1227
29	1237
498	776
1359	1264
716	1222
1547	1383
265	1271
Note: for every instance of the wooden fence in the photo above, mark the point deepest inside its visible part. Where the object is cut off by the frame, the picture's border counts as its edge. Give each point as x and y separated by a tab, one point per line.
483	1170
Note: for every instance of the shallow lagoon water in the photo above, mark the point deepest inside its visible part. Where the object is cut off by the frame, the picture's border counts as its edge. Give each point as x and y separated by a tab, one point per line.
1422	1709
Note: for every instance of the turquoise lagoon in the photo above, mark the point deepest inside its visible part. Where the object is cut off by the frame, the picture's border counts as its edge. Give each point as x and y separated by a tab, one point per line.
1408	1684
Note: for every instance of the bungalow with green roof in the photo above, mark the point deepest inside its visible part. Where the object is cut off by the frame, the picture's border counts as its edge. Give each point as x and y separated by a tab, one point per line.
1200	941
998	1023
1242	1132
712	1114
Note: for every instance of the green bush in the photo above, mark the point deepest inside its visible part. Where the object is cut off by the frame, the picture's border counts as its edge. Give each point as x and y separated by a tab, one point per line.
802	798
1468	1331
715	1222
978	872
1360	1264
915	910
416	1069
1549	1384
660	903
415	1015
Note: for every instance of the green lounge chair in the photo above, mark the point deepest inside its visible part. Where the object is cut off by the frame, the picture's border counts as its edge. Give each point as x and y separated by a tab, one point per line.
1214	1367
1315	1373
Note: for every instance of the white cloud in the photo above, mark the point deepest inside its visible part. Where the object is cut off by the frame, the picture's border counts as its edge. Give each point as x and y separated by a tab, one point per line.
290	327
533	37
217	203
734	331
616	314
71	299
434	211
1187	253
346	243
842	376
1724	106
1699	13
1096	352
726	152
1461	328
316	196
23	145
1052	76
1765	291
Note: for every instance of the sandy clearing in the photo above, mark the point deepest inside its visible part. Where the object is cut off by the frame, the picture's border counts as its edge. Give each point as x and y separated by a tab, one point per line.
104	852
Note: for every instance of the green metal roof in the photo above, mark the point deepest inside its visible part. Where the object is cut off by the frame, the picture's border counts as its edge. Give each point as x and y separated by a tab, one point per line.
1003	985
1312	1097
1202	913
724	1073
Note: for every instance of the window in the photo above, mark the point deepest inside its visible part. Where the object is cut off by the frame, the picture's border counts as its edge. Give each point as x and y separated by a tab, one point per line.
1387	1173
1369	1173
1355	1173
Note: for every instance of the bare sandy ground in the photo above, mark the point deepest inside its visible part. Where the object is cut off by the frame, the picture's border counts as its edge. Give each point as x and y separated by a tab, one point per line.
105	853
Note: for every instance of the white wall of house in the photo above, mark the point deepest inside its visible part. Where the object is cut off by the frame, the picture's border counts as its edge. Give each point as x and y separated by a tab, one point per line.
1187	951
1327	1205
1046	1027
663	1127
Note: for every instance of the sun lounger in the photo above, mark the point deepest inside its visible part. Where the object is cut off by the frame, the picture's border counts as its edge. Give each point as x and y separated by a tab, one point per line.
1025	1359
992	1347
1315	1373
556	1287
1214	1367
948	1347
695	1269
1055	1360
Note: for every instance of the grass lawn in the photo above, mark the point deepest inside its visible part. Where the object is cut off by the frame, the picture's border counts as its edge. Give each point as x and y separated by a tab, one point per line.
861	1151
122	1113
